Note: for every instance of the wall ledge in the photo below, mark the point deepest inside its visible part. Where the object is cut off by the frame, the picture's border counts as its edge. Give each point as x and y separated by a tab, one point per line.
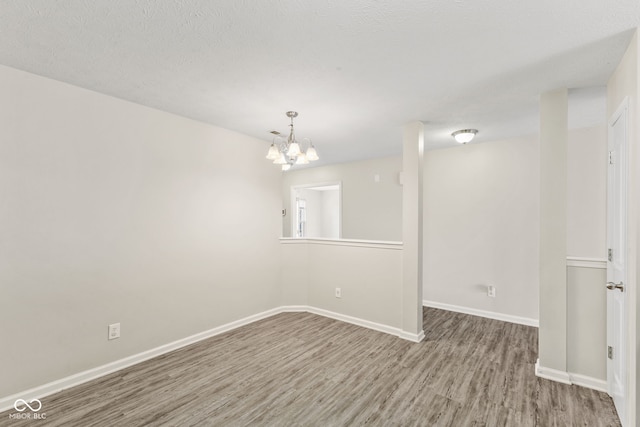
380	244
587	262
482	313
6	403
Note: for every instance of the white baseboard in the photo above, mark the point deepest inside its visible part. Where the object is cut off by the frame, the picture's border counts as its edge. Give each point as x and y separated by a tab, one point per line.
294	309
588	382
482	313
6	403
367	324
412	337
552	374
570	378
91	374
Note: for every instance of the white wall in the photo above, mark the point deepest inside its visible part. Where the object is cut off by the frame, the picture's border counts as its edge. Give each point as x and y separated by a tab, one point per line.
114	212
554	142
370	210
587	322
331	214
586	238
369	276
481	226
587	192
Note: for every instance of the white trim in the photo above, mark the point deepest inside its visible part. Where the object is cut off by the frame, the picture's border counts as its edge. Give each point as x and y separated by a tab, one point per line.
482	313
542	372
294	308
552	374
570	378
380	244
600	263
357	321
6	403
91	374
588	382
412	337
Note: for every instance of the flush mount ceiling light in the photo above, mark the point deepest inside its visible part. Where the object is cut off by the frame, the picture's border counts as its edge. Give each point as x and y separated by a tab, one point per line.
289	152
465	135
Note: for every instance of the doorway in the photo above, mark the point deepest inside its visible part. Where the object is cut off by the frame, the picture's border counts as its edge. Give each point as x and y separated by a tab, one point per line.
318	211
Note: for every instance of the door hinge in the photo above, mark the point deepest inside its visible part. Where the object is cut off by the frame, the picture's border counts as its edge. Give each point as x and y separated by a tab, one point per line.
610	255
610	352
610	157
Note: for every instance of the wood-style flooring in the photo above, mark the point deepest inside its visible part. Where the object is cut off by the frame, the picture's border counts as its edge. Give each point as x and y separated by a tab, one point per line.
300	369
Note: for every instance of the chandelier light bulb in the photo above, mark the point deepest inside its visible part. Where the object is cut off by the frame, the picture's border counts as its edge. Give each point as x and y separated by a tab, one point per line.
294	149
312	155
273	153
302	159
280	160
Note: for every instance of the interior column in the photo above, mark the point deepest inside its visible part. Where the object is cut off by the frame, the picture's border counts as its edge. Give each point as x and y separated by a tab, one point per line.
412	221
552	345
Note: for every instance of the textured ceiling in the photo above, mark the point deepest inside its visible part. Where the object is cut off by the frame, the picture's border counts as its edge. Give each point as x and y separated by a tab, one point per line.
355	70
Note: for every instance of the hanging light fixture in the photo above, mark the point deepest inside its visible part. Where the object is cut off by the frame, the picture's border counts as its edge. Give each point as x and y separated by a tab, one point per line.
465	135
289	152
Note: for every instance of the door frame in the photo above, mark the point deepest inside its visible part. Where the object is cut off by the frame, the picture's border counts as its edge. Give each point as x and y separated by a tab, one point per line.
621	111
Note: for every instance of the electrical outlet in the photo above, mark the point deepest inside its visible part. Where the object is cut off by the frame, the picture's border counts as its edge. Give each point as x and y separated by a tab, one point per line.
338	293
491	291
114	331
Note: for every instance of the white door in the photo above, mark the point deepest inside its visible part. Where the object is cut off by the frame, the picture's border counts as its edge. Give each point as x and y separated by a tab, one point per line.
617	259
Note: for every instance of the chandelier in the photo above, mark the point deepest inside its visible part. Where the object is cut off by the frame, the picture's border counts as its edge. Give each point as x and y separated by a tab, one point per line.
289	152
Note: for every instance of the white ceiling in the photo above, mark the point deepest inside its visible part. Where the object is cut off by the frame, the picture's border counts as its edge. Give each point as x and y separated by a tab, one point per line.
355	70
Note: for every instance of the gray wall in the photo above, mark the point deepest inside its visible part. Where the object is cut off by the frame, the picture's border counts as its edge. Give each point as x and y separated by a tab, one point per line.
113	212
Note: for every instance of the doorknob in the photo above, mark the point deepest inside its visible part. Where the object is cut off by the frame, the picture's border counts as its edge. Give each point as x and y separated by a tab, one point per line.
611	286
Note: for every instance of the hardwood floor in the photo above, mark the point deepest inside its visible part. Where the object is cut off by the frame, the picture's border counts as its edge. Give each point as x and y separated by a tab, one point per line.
300	369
